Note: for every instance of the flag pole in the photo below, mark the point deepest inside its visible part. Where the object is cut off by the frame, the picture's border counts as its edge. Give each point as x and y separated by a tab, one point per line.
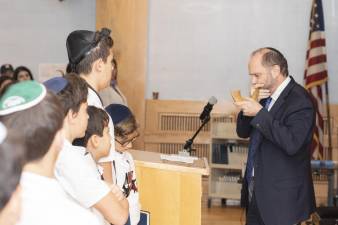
328	121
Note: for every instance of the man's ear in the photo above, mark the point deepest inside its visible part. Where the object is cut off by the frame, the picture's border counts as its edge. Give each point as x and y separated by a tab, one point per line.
71	115
94	140
275	71
98	65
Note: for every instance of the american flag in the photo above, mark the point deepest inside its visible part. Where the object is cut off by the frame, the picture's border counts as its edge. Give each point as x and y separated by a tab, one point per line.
316	76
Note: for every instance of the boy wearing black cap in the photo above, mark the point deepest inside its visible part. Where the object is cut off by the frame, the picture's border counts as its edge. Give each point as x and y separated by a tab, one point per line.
33	112
90	55
76	171
123	165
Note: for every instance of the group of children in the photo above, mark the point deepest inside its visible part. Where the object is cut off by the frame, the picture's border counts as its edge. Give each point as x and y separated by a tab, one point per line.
76	168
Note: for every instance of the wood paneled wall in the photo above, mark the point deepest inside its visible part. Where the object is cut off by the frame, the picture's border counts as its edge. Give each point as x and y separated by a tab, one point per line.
128	20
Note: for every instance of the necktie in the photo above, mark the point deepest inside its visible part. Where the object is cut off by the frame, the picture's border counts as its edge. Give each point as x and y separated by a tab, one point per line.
267	103
255	140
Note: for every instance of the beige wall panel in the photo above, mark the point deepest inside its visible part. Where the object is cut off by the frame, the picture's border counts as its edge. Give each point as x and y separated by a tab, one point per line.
128	20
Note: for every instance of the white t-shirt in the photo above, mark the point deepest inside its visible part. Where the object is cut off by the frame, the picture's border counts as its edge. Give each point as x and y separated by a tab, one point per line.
44	202
79	175
94	100
125	174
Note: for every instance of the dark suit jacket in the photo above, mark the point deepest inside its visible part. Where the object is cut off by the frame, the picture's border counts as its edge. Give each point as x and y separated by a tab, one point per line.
283	182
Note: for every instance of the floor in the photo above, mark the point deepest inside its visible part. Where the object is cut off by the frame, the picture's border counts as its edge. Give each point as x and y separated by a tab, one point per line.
229	215
217	215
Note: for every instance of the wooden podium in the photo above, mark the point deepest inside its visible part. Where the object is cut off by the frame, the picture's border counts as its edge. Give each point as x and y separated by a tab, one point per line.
170	191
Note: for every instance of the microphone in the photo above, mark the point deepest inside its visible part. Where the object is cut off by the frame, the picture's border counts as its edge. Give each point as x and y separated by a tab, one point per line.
204	117
208	107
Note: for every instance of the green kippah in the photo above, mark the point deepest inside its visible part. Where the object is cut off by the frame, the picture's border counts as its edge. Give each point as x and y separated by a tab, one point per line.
21	96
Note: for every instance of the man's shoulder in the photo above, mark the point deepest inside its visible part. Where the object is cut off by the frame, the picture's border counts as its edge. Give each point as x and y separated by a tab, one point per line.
300	93
299	98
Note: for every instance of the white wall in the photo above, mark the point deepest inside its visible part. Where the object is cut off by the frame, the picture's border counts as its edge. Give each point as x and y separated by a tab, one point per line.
200	48
197	48
35	31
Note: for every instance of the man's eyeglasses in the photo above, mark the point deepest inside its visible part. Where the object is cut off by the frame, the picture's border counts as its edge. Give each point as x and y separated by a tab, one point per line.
125	143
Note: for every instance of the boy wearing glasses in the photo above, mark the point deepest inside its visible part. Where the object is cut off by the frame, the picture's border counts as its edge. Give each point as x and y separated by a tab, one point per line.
125	130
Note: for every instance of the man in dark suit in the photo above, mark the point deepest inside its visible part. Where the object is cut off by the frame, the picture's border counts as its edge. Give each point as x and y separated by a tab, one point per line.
278	187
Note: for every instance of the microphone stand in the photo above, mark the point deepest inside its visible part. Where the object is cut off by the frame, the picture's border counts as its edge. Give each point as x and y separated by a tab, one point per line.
187	147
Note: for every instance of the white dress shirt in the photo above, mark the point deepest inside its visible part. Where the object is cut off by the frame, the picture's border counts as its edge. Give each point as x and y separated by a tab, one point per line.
278	91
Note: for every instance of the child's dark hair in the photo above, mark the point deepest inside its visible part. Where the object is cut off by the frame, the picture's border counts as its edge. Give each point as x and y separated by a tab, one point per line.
123	119
74	94
12	159
98	120
125	127
38	125
22	68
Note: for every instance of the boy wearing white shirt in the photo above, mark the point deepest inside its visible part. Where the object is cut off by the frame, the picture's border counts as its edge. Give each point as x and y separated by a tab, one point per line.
31	111
75	170
90	55
124	168
97	138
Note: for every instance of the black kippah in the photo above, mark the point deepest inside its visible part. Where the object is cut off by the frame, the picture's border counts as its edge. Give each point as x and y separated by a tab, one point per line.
80	42
118	112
